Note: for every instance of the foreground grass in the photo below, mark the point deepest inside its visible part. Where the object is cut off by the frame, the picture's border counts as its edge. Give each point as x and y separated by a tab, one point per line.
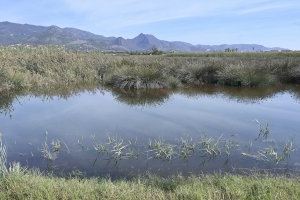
21	184
45	67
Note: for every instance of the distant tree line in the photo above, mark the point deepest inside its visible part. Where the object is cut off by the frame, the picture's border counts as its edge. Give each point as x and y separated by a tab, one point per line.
231	50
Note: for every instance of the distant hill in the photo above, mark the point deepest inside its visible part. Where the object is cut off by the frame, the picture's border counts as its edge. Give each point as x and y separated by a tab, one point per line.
22	34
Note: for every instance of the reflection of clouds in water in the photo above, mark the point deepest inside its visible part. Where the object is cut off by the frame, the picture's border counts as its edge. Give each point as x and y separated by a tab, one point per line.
242	95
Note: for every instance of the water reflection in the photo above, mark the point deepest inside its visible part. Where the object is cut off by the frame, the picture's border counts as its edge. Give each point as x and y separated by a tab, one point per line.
7	99
142	97
243	95
152	97
72	115
295	91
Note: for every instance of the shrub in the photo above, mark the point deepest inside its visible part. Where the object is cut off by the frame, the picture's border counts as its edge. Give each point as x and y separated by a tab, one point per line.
128	76
242	75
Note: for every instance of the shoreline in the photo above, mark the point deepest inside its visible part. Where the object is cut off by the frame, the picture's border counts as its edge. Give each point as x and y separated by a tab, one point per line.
22	184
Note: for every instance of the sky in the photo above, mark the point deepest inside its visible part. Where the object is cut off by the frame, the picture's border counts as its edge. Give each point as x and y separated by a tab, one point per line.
273	23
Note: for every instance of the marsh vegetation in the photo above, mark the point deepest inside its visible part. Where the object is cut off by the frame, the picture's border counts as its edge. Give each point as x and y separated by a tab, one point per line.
45	67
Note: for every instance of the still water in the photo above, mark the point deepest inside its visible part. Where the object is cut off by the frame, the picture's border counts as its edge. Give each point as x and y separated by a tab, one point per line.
80	119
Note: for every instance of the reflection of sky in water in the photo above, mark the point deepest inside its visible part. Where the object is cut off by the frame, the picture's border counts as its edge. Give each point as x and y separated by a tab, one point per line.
100	114
89	114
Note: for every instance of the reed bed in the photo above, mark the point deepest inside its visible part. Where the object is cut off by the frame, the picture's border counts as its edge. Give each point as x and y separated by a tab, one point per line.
45	67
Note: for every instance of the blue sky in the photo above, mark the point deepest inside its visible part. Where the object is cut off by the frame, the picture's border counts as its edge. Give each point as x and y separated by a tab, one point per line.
268	22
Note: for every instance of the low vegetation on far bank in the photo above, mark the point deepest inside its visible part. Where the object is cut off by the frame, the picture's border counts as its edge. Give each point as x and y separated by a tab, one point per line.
21	184
45	67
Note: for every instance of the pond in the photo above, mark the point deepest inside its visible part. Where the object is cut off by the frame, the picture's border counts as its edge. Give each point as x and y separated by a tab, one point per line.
121	133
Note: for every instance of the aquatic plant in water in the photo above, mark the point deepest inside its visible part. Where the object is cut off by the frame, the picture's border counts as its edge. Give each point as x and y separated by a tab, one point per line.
80	143
273	154
264	130
279	156
229	146
186	148
3	157
210	147
115	149
50	151
161	150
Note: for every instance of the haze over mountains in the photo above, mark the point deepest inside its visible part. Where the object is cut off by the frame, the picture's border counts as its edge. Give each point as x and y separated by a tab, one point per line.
16	34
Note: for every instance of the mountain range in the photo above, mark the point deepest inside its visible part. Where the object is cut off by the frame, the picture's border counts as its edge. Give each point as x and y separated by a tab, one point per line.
26	34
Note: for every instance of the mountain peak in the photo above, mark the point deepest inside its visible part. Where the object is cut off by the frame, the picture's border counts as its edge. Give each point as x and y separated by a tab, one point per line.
54	27
142	35
145	36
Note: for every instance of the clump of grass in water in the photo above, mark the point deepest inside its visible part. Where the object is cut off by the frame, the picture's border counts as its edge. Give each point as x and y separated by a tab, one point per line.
210	147
288	149
186	148
13	167
116	149
161	150
50	151
271	153
264	130
229	146
274	155
80	143
3	157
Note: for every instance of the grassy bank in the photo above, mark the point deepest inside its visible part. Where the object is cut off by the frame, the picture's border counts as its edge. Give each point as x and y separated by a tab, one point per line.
45	67
21	184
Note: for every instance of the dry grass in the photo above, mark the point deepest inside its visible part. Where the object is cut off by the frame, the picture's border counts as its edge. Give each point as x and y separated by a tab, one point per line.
46	67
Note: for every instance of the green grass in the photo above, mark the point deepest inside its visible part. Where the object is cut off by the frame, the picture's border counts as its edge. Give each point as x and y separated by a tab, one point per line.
22	184
29	68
